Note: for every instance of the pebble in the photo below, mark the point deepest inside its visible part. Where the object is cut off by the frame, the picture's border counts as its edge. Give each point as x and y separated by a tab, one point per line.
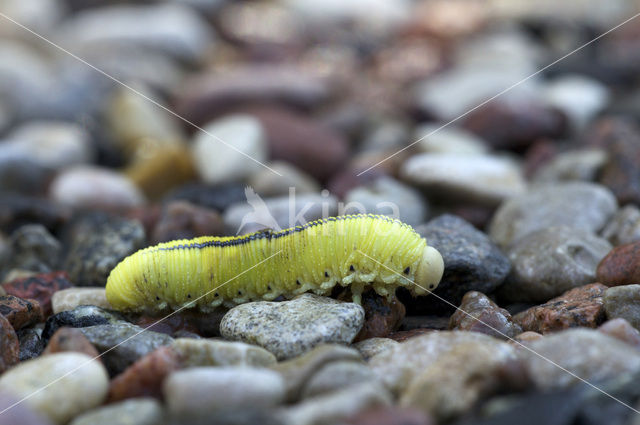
482	179
526	337
183	220
17	210
621	329
19	413
53	144
9	345
170	29
94	187
336	376
478	313
31	345
623	302
40	287
59	386
236	150
448	140
381	315
455	382
70	339
390	415
126	343
33	248
580	205
98	242
472	261
297	371
371	346
20	312
79	317
620	266
142	411
290	328
624	226
215	197
581	165
387	196
587	353
69	299
580	98
267	183
211	352
337	406
551	261
216	388
287	211
145	376
398	366
579	307
20	174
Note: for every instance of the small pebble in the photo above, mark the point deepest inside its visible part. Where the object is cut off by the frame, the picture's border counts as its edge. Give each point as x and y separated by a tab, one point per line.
33	248
371	346
620	266
336	376
31	345
381	316
478	313
183	220
79	317
268	184
20	312
211	352
624	226
9	345
141	411
451	140
69	299
40	287
70	339
621	329
623	302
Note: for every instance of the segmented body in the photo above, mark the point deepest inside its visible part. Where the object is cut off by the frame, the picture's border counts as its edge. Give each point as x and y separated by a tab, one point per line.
355	250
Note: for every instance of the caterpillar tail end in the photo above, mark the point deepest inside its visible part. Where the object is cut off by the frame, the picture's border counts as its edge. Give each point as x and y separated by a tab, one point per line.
429	272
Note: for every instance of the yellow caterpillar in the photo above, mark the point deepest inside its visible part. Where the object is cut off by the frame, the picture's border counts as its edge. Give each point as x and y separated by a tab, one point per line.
345	250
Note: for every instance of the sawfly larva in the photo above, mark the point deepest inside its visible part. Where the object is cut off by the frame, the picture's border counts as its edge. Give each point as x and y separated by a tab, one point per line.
361	251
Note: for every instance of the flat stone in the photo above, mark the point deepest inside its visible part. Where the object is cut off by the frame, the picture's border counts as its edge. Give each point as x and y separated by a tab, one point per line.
59	386
142	411
478	313
620	266
290	328
623	302
452	140
211	352
580	205
579	307
551	261
69	299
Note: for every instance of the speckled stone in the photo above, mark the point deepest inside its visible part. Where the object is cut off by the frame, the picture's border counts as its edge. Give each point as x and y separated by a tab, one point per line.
31	345
20	312
40	287
141	411
624	226
579	307
211	352
381	316
587	353
79	317
624	302
581	205
217	388
336	376
68	299
478	313
549	262
290	328
9	345
621	266
33	248
68	384
372	346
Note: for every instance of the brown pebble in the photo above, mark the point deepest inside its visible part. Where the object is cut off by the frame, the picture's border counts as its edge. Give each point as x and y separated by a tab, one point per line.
70	339
527	336
381	317
39	287
9	345
478	313
621	266
184	220
390	415
20	312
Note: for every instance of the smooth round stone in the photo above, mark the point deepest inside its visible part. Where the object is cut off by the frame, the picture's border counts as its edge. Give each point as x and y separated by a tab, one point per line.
68	299
587	353
276	213
582	165
95	187
139	411
549	262
53	144
336	376
234	152
211	352
623	302
387	196
290	328
624	226
59	386
267	183
481	178
372	346
216	388
451	140
579	205
169	28
579	97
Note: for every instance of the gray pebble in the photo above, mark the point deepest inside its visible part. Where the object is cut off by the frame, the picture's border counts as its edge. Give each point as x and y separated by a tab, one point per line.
336	376
372	346
211	352
33	248
624	226
581	165
138	411
624	302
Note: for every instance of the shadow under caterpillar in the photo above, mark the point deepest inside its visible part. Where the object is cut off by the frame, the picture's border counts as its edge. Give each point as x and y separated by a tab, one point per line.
210	271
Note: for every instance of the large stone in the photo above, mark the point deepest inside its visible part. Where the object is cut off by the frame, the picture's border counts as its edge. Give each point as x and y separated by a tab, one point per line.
290	328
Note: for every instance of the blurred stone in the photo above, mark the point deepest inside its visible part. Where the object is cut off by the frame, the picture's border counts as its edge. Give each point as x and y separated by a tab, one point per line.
267	183
371	346
95	187
142	411
69	299
478	313
9	345
621	329
30	343
336	376
435	138
482	179
20	312
17	210
579	307
623	302
390	415
79	317
183	220
212	352
624	226
216	197
40	287
381	316
582	165
527	337
20	173
580	98
70	339
620	266
33	248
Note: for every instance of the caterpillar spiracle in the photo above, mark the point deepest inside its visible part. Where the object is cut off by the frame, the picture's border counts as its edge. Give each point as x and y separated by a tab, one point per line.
360	251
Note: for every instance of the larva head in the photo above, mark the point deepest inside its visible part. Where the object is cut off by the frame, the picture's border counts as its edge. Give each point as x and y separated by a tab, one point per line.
429	271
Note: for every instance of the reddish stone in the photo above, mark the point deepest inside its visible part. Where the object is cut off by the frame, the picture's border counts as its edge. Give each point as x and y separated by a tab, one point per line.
478	313
9	345
144	378
20	312
580	307
538	155
184	220
390	415
70	339
40	288
381	317
621	266
621	329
